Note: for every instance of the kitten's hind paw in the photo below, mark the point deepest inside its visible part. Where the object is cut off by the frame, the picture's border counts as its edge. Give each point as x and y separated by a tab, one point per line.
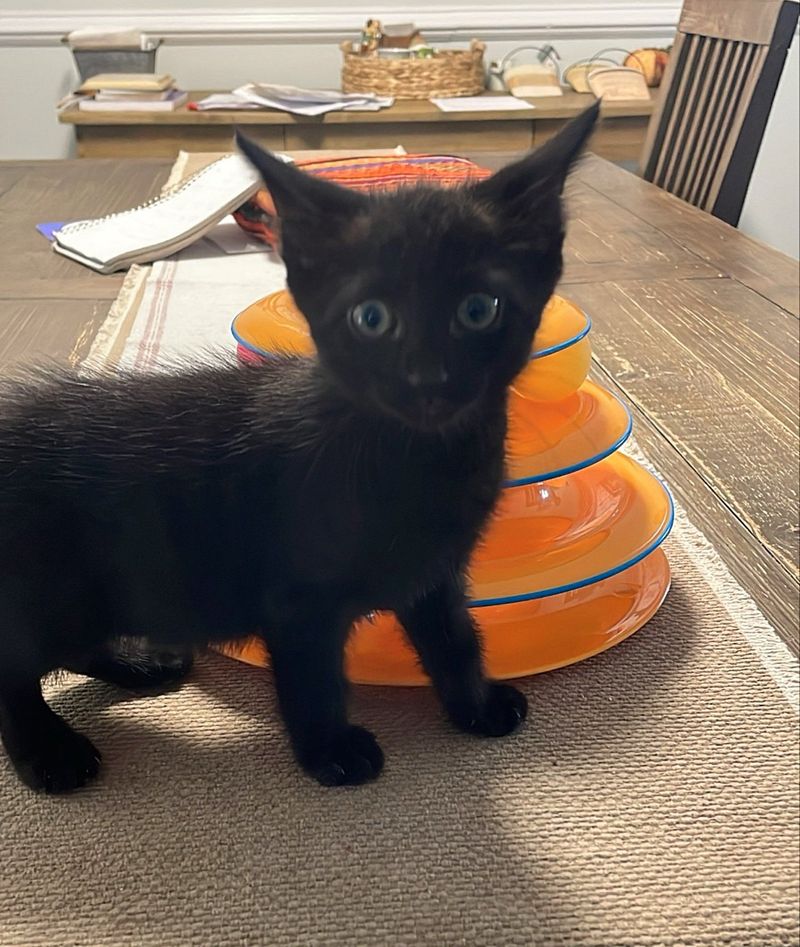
60	760
503	710
138	670
351	758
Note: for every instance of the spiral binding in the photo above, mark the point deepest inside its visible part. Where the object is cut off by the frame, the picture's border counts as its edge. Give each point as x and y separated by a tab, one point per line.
161	198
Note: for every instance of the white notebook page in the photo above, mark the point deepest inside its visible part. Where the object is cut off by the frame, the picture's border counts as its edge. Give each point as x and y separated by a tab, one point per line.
168	222
481	103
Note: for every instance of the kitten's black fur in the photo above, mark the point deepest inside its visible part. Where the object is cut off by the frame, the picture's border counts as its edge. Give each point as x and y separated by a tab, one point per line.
290	497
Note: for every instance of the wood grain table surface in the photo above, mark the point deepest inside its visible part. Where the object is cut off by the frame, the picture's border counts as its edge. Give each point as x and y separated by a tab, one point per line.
695	325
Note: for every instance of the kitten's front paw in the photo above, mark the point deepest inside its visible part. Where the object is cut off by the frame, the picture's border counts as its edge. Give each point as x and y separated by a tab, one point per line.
351	758
59	761
502	712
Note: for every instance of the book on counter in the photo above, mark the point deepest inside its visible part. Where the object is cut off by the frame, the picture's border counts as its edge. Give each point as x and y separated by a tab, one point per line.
172	100
130	92
129	82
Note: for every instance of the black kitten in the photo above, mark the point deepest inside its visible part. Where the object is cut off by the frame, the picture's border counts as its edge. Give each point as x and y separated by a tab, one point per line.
143	517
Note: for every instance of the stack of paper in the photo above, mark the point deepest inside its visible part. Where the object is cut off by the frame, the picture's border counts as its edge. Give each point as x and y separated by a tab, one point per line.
223	100
291	99
481	103
131	92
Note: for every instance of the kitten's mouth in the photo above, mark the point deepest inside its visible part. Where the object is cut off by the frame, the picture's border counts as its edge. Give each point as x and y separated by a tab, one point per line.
433	414
428	415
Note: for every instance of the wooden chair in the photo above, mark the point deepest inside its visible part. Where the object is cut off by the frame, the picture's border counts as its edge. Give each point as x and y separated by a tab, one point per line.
716	96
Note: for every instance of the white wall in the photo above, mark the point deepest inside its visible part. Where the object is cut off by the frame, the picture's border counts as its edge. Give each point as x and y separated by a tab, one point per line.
771	209
211	45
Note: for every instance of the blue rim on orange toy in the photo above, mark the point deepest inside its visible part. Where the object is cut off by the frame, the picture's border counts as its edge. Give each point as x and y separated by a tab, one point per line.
552	439
578	465
601	576
640	543
551	350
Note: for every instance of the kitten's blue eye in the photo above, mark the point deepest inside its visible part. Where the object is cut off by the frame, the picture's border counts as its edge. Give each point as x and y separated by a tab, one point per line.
371	318
478	311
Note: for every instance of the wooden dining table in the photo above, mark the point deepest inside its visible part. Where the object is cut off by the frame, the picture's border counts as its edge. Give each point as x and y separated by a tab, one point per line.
695	326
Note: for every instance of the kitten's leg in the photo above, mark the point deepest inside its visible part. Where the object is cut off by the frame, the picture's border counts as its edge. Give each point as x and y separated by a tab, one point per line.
307	658
135	667
48	755
442	631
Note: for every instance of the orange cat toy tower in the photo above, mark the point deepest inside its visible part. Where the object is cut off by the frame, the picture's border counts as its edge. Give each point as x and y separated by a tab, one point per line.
571	563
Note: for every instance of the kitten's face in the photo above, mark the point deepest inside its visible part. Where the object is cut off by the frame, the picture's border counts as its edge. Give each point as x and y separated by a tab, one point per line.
419	308
423	303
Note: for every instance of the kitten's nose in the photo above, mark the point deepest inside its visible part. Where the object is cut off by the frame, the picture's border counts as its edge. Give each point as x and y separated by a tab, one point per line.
429	378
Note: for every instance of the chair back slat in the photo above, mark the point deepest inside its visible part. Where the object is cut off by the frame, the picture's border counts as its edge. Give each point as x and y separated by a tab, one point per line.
718	87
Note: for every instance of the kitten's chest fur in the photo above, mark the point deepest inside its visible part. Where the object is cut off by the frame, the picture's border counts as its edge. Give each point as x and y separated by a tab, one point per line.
380	513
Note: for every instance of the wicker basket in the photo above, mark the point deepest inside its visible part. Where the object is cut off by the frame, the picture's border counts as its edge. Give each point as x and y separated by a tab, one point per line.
448	72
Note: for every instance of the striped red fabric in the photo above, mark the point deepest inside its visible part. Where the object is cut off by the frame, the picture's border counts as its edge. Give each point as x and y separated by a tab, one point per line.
367	173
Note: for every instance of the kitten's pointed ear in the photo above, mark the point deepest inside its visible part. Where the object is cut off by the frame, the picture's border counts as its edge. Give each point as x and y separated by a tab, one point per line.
542	173
295	193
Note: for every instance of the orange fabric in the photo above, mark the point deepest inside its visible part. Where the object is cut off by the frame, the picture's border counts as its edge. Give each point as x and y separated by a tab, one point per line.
258	215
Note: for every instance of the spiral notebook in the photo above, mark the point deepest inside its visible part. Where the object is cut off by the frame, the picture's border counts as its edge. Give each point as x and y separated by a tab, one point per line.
164	225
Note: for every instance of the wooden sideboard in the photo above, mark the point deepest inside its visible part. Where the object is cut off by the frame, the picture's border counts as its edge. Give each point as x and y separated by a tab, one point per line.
416	124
